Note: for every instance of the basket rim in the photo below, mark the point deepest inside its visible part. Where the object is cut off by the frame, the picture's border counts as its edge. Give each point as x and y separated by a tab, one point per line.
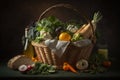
38	44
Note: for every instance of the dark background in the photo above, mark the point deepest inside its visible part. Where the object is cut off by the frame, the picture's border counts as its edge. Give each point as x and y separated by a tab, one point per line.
15	15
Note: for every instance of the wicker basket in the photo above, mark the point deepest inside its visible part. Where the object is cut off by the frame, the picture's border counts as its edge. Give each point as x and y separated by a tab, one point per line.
72	53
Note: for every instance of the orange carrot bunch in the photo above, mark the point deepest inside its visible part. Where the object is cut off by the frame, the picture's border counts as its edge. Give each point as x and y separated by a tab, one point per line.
35	59
67	67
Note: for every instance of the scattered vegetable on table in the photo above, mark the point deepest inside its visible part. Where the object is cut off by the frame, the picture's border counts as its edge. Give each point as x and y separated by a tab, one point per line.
37	68
68	67
82	64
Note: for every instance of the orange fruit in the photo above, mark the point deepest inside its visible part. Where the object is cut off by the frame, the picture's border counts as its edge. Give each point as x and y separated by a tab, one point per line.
65	36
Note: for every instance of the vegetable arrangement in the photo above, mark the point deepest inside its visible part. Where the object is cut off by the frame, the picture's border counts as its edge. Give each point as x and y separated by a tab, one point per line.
53	28
37	68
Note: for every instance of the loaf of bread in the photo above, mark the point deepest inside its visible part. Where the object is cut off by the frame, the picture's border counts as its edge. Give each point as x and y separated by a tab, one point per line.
18	60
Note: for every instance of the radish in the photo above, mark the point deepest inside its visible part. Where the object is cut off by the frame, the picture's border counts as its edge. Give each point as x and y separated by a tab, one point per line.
29	67
23	68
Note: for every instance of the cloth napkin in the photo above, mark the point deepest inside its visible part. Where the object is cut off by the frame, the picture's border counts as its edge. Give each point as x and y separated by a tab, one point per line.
82	43
57	46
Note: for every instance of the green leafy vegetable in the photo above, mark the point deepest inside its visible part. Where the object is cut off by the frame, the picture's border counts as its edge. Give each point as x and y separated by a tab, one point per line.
95	64
49	25
77	37
41	68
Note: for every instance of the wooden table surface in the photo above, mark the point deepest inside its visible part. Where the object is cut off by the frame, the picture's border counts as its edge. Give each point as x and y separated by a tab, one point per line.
6	72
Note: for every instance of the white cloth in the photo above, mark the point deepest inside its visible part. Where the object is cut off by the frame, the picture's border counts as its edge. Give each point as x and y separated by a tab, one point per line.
82	43
58	47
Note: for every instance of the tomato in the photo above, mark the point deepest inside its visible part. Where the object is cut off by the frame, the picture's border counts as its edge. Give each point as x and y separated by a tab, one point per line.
65	36
106	63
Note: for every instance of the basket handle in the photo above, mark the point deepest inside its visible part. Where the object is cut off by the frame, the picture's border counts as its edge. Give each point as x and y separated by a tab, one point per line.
61	5
69	7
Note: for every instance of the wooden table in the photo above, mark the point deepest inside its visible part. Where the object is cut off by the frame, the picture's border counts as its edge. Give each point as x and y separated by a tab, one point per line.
7	73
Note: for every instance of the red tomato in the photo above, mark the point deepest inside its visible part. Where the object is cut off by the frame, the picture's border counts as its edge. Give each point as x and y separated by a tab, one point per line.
107	63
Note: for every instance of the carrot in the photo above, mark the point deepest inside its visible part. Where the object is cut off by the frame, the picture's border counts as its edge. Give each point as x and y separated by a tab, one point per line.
67	67
35	59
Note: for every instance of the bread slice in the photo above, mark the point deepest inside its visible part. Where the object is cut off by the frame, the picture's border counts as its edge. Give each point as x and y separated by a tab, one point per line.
18	60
